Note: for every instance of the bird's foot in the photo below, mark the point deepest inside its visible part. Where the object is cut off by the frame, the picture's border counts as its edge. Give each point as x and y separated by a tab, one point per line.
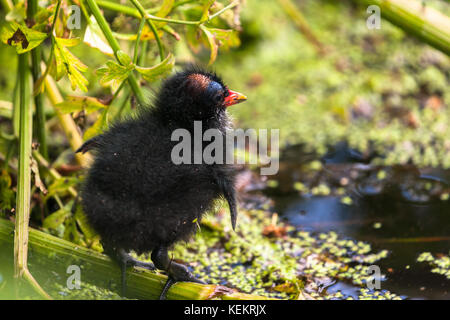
132	262
178	272
126	260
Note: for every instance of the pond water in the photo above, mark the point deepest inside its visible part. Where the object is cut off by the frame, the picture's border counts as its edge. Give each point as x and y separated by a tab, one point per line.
401	212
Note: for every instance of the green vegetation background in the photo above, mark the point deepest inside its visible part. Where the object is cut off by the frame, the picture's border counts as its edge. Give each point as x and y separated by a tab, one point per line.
372	88
381	90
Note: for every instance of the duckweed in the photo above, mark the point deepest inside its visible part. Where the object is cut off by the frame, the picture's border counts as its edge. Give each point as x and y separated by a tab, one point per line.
289	267
441	264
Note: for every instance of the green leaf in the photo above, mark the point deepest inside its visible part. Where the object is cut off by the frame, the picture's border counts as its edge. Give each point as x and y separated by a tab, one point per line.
212	44
165	9
67	63
54	220
77	103
72	234
41	18
18	13
98	127
193	37
68	42
94	37
123	58
84	225
61	185
21	37
206	5
219	37
225	38
39	84
7	195
159	70
114	74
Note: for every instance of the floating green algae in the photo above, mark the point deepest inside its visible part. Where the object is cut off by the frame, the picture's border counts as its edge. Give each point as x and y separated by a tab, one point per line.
441	264
290	265
380	90
85	292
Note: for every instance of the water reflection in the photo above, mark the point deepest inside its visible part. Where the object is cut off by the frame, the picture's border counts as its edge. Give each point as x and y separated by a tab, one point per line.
402	209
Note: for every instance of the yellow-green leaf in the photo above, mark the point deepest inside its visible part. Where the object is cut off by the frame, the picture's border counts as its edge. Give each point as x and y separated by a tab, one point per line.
98	127
18	13
7	195
84	225
159	70
212	44
206	5
54	220
61	185
77	103
123	58
21	37
67	63
113	74
94	37
165	9
193	37
68	42
225	38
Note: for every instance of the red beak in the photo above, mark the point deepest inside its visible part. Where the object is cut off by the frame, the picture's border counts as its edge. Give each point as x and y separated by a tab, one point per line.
234	98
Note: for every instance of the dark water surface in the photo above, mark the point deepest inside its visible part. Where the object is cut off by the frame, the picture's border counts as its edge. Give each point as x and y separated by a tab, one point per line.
404	215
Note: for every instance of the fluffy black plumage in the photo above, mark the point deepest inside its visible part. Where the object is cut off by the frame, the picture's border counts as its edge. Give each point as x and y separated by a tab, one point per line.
134	196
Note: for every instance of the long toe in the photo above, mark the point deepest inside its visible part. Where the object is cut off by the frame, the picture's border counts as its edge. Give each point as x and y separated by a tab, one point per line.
170	282
178	273
141	264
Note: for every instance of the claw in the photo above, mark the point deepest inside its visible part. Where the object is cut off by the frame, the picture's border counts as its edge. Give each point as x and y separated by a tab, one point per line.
170	282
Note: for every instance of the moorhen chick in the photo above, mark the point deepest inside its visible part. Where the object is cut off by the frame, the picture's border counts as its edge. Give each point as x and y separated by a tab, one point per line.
136	197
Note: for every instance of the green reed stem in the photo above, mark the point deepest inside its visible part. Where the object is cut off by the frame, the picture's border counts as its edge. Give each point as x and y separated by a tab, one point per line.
138	40
145	16
115	46
24	182
38	101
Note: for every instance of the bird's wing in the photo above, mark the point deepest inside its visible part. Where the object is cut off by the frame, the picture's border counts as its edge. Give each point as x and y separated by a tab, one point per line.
226	186
89	145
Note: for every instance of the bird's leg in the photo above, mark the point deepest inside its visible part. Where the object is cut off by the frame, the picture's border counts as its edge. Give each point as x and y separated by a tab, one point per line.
177	272
125	260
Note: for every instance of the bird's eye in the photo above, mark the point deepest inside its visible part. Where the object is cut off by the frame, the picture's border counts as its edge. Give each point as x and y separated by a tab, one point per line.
218	98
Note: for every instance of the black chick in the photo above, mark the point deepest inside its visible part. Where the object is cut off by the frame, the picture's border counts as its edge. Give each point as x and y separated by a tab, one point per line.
134	195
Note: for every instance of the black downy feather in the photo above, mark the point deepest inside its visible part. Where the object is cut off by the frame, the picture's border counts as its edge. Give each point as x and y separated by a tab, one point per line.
134	196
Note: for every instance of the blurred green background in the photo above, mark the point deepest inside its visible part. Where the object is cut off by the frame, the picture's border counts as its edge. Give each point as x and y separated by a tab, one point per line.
381	90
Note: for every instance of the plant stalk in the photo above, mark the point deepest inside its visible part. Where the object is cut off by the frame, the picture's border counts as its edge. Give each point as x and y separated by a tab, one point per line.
24	183
138	40
53	255
115	46
39	120
297	17
425	23
137	14
69	127
145	15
